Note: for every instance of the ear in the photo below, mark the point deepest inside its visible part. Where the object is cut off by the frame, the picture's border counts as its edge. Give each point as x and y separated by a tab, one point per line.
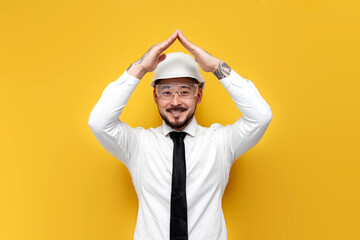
155	96
200	94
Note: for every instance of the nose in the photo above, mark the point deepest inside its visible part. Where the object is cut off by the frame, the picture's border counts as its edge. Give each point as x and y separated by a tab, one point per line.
176	99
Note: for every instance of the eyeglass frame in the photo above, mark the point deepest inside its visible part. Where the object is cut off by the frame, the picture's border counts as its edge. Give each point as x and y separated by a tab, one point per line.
170	97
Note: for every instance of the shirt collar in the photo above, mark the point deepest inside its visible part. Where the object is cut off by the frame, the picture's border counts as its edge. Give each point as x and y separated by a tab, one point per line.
190	129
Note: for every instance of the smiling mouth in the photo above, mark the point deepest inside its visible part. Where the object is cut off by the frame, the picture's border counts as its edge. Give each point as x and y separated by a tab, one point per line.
176	110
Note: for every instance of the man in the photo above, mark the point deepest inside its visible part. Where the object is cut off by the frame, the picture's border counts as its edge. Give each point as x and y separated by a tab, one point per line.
179	169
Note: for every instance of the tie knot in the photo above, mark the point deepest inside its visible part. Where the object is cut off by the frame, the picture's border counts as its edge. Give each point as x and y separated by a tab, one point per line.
177	135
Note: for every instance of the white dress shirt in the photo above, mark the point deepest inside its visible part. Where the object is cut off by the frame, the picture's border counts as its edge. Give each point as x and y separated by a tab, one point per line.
210	152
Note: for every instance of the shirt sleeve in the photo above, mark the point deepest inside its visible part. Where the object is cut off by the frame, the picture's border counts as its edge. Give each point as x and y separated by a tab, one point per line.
249	129
117	137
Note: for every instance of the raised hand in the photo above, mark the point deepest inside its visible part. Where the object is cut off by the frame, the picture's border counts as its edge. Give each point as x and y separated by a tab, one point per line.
207	62
151	58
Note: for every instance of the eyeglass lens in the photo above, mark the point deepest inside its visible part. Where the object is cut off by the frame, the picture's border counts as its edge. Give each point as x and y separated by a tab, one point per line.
184	90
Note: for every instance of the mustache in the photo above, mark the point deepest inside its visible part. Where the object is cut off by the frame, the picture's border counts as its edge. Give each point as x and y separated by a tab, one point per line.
176	109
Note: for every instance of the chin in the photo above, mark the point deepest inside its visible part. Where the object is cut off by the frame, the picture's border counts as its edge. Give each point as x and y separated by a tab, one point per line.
177	124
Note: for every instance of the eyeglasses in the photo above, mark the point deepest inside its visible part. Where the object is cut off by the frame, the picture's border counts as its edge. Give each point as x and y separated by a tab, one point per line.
167	91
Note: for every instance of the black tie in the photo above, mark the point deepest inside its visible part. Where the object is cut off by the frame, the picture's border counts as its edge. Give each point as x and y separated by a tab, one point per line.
178	212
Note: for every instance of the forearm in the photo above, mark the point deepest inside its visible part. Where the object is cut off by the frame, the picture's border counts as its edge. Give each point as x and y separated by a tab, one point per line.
222	70
245	95
115	136
136	70
112	101
247	131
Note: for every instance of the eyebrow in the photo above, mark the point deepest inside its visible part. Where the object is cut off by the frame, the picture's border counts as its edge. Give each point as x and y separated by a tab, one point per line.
186	86
163	86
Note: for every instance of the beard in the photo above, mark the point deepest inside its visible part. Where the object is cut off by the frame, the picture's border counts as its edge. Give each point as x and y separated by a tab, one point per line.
178	124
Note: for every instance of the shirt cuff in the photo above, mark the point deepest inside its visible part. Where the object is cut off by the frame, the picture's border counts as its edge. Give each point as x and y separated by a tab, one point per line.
128	82
233	79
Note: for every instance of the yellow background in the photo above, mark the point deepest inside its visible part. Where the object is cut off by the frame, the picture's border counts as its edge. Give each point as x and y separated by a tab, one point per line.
300	182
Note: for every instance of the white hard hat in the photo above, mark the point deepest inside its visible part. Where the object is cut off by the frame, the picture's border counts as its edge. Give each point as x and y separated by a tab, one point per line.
178	64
